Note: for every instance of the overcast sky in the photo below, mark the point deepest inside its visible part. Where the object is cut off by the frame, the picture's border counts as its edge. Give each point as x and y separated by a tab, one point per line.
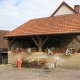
14	13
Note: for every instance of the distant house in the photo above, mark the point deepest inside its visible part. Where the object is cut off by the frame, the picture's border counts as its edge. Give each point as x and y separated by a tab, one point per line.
61	29
3	47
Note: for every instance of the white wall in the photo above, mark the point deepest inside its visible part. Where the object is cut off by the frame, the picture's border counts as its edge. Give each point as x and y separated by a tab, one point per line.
63	10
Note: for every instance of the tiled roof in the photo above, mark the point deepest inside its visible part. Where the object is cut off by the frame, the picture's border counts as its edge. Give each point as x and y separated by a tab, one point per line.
3	42
49	25
63	3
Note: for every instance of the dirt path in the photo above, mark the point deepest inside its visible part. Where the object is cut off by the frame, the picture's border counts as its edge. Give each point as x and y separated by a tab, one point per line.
8	72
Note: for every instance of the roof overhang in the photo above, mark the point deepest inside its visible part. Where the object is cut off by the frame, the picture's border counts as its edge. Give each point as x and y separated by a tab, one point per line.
31	35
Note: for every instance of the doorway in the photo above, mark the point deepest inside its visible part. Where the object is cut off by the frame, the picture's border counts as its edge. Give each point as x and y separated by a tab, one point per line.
3	58
0	59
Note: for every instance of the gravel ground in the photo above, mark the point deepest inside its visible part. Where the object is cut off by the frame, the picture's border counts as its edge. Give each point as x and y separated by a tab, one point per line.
9	72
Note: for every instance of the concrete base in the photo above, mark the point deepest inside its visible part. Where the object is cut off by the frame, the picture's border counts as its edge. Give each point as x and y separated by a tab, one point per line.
60	59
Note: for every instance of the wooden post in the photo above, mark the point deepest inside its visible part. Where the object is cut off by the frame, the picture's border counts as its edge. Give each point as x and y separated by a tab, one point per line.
45	41
40	43
9	48
10	44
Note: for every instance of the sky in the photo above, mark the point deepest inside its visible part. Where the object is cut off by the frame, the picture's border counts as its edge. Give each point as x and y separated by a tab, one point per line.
14	13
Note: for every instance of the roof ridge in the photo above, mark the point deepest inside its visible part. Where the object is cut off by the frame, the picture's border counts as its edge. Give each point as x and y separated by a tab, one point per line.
63	3
4	30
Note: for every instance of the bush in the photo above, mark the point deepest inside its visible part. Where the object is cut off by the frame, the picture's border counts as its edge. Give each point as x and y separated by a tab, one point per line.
33	63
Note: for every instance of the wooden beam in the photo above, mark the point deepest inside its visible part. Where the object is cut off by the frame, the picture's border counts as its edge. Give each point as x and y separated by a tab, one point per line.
9	48
35	42
12	42
40	44
54	39
77	39
45	41
38	37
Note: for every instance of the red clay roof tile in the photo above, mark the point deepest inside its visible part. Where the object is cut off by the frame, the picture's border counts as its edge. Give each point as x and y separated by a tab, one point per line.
49	25
3	42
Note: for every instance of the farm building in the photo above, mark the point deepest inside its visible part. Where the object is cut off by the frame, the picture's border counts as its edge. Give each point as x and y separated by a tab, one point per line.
61	28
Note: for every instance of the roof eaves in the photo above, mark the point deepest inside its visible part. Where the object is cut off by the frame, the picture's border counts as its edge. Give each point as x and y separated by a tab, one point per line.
42	34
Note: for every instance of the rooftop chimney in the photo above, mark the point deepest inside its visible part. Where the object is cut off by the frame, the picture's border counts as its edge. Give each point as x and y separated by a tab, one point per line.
77	8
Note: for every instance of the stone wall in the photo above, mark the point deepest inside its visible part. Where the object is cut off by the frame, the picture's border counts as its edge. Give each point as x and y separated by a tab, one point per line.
71	41
61	60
